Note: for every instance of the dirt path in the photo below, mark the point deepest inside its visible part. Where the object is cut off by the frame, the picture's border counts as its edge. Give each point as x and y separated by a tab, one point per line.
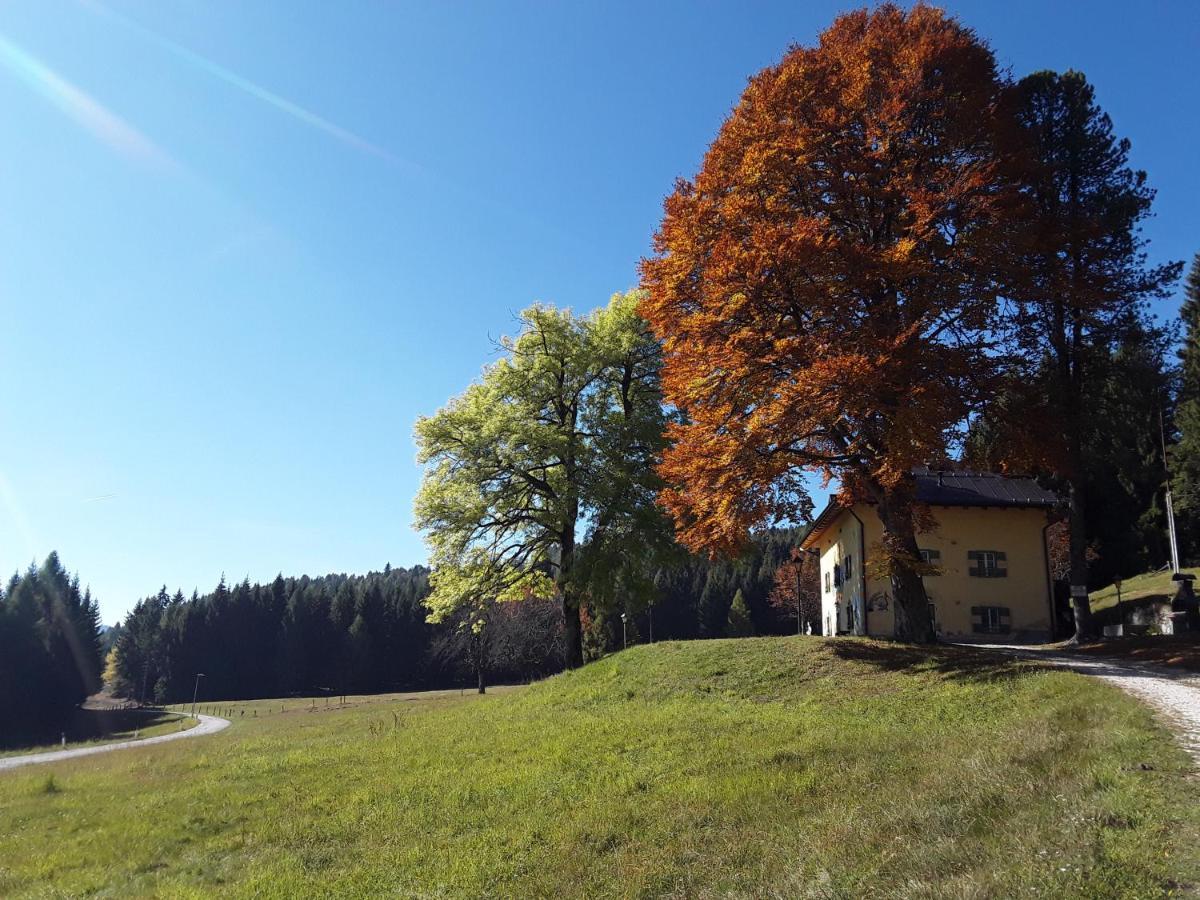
1174	694
208	725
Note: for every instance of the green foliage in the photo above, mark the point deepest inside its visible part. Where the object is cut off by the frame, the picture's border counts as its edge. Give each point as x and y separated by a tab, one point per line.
779	767
739	623
554	446
50	651
1185	456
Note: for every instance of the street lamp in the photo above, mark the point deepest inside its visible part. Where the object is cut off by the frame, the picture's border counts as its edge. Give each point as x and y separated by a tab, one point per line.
624	638
196	692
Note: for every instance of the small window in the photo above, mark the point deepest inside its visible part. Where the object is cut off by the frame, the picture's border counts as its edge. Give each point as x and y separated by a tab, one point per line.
827	585
991	619
837	576
987	564
931	557
846	569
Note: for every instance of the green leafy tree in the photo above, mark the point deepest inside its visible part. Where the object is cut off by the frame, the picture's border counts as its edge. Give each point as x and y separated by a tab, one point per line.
540	477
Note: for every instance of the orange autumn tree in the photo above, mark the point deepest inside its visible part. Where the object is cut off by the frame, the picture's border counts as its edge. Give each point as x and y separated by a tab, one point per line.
825	287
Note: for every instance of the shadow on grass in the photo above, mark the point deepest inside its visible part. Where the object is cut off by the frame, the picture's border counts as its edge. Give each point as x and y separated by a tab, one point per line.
954	663
89	725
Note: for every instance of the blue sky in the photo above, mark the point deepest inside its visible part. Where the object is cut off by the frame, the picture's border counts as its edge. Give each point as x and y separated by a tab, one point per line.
244	245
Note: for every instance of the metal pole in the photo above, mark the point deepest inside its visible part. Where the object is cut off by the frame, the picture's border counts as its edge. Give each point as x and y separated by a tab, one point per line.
196	692
1162	436
1171	532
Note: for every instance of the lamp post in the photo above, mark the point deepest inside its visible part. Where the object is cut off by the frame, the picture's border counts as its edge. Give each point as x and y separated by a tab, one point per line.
196	692
624	638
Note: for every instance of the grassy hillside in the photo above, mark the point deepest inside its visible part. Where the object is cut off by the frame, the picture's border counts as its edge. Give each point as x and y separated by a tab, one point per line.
762	767
1149	584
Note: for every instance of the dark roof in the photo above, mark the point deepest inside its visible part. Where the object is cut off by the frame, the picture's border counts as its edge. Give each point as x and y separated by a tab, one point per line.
980	489
951	488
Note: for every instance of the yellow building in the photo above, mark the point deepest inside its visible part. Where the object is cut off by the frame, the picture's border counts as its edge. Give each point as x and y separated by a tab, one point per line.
989	544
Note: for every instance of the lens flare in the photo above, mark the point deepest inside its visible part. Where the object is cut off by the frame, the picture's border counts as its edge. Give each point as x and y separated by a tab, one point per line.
297	112
85	110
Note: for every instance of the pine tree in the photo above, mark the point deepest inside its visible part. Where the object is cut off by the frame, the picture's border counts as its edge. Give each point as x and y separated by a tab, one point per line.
1185	458
740	624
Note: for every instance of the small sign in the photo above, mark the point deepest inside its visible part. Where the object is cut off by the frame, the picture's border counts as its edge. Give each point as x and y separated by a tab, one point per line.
1079	590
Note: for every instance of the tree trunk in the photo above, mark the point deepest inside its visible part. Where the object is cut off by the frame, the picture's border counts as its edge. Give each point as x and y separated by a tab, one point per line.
1080	604
573	631
911	605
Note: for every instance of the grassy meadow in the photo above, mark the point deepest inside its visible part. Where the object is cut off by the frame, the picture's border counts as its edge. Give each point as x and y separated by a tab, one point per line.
766	767
1148	584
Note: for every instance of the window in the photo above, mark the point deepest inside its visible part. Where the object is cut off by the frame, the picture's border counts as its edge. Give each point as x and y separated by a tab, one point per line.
827	586
987	564
837	576
991	620
931	557
846	569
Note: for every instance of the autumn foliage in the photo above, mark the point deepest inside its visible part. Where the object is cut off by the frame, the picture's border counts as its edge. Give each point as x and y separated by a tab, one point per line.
825	287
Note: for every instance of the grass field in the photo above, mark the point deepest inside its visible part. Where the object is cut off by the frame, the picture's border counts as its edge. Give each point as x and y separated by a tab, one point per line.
1150	584
772	767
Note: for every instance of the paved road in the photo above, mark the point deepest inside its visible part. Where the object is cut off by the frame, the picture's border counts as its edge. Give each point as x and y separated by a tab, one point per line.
1174	694
208	725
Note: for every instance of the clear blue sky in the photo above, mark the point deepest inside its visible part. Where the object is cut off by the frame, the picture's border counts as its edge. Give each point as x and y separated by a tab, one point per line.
244	245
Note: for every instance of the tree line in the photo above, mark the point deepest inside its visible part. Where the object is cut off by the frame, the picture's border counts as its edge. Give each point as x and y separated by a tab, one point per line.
50	651
369	633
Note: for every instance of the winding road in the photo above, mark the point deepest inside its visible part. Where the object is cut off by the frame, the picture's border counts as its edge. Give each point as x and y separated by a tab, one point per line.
207	725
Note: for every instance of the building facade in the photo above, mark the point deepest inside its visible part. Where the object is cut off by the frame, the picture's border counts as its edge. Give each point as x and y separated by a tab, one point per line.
989	547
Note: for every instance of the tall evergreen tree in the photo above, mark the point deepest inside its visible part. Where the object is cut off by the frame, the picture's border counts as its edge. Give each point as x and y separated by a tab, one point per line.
1085	277
1185	457
739	624
50	649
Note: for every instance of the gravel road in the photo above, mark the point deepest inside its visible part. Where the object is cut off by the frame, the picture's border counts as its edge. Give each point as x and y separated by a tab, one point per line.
208	725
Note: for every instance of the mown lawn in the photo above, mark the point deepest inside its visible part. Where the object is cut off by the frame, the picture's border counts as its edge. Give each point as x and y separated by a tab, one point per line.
772	767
